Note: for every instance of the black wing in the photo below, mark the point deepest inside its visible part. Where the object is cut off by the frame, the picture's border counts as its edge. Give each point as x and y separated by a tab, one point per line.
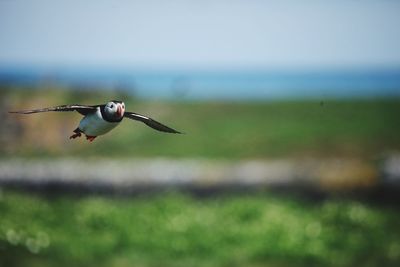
82	109
150	122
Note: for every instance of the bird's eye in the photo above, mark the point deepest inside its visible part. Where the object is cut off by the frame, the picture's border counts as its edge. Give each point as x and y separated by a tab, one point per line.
111	106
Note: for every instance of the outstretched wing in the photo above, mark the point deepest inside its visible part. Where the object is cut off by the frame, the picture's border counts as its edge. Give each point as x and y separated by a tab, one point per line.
82	109
150	122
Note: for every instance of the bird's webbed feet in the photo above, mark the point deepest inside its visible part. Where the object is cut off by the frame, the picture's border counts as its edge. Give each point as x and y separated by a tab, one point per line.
90	138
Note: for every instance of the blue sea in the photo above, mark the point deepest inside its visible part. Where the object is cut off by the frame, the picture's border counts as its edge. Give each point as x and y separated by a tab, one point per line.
208	85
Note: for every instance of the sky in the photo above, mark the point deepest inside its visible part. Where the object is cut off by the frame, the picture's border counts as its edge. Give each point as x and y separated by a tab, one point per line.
206	34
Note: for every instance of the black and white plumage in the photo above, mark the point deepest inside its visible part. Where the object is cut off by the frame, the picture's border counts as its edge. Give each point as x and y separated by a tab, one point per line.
100	119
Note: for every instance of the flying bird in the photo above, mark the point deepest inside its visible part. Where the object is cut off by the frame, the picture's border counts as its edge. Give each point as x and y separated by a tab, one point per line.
100	119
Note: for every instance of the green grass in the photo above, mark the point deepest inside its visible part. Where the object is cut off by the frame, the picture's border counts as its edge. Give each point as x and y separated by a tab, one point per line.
360	128
174	229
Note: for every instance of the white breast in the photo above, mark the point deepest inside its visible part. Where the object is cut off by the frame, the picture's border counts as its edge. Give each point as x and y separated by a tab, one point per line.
94	125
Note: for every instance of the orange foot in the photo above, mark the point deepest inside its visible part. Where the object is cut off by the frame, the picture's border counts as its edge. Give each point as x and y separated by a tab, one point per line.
90	138
75	135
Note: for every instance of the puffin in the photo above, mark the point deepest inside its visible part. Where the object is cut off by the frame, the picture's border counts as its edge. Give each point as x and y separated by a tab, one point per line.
100	119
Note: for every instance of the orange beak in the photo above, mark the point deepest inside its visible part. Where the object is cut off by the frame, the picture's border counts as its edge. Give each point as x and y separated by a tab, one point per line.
119	111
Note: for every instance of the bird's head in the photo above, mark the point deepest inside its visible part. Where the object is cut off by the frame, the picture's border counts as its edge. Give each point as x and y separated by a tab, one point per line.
115	109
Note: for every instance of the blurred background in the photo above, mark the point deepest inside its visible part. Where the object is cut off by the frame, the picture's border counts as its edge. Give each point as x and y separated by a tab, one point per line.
290	155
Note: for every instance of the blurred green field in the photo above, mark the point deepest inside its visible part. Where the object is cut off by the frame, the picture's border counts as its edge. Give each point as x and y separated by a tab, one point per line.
175	229
360	128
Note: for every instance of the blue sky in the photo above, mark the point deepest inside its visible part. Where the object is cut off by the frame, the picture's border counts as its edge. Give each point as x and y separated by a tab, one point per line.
219	34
